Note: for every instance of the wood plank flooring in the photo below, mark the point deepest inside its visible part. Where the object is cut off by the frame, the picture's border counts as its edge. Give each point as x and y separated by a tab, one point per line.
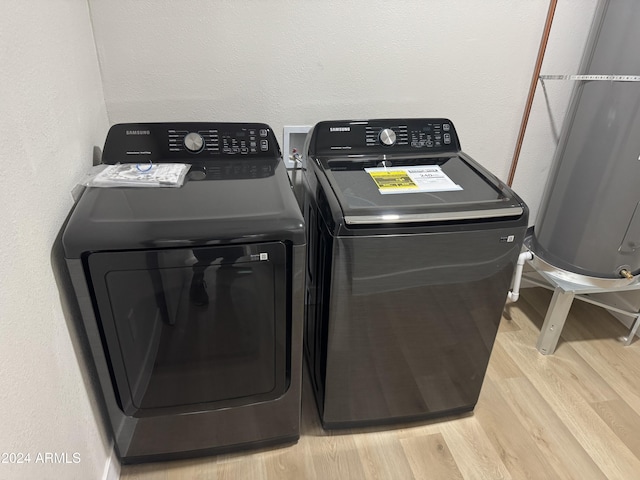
572	415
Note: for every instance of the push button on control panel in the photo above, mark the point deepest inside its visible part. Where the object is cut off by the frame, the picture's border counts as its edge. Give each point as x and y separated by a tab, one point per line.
264	145
431	135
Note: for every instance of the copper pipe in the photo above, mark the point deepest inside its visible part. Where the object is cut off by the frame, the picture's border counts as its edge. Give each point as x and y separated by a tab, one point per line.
532	88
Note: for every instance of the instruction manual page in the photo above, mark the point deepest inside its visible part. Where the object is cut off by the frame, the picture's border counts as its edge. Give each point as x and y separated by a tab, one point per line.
426	178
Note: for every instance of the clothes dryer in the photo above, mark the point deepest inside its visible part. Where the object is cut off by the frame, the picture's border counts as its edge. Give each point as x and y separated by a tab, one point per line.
191	297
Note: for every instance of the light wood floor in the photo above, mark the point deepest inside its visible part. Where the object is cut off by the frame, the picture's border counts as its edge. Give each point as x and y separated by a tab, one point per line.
573	415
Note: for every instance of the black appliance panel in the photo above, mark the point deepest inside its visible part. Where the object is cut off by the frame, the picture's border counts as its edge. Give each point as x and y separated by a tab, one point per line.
400	321
194	326
387	136
409	325
188	142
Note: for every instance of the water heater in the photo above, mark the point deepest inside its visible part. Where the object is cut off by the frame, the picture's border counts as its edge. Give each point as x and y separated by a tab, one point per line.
589	219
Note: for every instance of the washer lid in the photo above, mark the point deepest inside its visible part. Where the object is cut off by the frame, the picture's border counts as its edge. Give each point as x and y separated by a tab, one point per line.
412	190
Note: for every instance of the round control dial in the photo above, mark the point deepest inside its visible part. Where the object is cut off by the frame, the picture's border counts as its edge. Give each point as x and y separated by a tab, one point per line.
193	142
387	137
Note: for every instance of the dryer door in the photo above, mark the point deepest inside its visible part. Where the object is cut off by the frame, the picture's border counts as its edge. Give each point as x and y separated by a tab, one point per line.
188	327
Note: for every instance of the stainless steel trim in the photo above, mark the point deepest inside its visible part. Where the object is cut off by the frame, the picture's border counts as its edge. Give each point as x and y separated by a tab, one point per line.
433	217
578	282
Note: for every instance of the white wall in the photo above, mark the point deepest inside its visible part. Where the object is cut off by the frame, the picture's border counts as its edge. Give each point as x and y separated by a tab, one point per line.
52	113
298	62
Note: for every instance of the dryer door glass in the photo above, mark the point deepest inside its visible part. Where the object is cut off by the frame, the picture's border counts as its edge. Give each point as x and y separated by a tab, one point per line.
187	327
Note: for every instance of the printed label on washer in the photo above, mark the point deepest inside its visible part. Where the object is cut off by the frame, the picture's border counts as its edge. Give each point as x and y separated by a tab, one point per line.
411	179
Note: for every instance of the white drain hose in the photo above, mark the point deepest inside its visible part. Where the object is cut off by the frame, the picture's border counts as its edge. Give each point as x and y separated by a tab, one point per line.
514	293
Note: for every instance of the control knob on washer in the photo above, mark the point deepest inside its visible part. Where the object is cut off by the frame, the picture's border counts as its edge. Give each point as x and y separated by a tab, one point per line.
193	142
387	137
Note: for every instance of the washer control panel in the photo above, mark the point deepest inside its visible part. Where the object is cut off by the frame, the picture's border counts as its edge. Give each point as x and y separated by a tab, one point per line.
385	136
188	142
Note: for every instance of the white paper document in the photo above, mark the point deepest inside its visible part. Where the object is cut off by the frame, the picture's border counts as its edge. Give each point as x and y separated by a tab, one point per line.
426	178
141	175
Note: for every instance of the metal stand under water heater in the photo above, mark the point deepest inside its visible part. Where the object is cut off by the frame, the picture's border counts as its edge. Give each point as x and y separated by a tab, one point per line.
588	226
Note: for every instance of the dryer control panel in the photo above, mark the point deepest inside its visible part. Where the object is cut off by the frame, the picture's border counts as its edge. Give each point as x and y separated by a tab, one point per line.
384	136
188	142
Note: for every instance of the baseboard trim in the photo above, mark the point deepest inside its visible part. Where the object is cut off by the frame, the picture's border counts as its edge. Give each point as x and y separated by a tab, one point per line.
112	467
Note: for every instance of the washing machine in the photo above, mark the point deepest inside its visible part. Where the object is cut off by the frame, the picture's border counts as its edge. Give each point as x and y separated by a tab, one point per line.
411	249
192	297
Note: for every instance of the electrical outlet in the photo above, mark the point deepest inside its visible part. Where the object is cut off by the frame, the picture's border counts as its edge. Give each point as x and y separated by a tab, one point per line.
293	142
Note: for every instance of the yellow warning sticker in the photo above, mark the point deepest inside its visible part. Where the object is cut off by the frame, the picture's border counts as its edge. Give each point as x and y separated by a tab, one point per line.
398	179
